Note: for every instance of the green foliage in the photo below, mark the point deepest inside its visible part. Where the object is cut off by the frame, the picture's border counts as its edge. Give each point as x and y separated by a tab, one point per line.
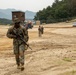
5	21
61	10
67	59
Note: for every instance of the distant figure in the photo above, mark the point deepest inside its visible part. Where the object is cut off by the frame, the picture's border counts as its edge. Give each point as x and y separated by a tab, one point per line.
18	32
40	31
29	25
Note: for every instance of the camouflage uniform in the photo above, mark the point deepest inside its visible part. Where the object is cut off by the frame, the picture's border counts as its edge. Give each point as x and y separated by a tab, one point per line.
40	31
18	45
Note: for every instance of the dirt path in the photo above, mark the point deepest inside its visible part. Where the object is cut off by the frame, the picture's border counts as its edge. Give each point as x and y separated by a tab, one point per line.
53	54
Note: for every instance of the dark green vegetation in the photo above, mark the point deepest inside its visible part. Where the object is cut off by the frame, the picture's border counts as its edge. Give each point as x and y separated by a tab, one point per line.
60	11
5	21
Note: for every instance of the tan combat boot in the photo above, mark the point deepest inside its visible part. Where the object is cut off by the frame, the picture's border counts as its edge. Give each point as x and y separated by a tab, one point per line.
22	67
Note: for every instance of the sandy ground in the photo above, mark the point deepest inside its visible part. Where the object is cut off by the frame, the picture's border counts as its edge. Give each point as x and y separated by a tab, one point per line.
52	54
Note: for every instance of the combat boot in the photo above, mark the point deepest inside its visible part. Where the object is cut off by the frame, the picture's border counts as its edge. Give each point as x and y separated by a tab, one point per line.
22	68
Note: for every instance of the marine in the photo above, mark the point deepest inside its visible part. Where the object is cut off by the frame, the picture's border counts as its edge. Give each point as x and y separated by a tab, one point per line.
19	46
39	31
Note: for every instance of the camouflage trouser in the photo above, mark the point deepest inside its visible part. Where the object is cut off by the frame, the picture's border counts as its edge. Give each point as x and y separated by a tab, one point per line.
19	53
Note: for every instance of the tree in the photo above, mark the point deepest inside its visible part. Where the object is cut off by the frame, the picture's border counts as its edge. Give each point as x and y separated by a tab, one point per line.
59	11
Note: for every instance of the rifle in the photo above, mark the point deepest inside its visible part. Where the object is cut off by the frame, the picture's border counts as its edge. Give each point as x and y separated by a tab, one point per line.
18	35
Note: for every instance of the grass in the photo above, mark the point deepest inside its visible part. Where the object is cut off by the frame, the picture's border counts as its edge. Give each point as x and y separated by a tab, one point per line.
67	59
74	50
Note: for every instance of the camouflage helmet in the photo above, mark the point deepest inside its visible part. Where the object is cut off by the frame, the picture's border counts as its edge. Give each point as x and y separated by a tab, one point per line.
16	20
